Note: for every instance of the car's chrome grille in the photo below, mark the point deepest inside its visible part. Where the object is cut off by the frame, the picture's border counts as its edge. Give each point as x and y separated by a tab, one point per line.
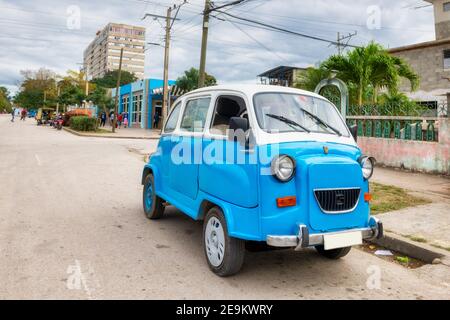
335	201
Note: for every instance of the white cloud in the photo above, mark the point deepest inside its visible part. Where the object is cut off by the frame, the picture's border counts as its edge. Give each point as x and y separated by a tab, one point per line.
35	34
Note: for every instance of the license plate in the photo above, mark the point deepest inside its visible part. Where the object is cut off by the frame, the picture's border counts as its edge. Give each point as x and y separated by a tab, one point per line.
342	240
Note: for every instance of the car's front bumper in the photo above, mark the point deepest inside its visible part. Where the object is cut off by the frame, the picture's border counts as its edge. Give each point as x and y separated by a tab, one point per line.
304	239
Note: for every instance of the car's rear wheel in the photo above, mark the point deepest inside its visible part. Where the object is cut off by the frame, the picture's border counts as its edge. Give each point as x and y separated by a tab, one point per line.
153	205
225	255
335	253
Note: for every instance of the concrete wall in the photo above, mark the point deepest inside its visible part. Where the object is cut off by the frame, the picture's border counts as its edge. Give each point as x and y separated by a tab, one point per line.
431	157
428	62
442	19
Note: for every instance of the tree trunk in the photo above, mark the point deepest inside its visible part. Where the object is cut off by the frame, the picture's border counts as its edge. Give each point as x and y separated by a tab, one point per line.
375	95
360	96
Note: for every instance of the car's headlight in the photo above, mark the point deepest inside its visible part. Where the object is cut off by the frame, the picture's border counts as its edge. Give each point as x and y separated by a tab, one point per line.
367	165
283	168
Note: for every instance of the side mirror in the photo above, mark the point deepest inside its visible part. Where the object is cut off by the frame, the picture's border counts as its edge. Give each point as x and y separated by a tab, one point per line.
238	129
354	131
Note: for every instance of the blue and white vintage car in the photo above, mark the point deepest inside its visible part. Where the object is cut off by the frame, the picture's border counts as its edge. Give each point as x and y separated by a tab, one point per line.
262	164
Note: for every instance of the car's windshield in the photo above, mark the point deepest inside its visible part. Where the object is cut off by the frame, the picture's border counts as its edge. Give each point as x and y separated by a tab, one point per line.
279	112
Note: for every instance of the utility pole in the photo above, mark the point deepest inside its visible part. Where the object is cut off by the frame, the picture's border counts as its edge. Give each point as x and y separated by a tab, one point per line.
206	13
202	69
340	41
87	82
116	103
169	24
165	106
58	89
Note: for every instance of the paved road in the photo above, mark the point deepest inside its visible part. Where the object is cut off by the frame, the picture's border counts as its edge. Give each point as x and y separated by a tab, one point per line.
72	227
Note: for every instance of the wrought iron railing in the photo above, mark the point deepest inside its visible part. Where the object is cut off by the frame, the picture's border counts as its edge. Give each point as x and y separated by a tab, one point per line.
397	127
401	109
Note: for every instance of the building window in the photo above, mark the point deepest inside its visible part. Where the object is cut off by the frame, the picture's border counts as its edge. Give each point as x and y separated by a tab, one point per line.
125	101
446	6
136	116
446	59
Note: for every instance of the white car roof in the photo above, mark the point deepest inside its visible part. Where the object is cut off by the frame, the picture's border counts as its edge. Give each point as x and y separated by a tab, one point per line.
251	89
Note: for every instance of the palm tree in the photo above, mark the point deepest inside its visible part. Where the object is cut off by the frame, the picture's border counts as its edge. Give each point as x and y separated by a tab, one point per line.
311	77
189	81
371	68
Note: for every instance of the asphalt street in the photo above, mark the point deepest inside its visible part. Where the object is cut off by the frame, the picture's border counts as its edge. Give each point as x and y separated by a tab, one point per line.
72	227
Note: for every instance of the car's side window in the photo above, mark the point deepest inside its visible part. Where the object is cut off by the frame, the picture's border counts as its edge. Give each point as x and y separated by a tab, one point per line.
195	114
227	107
173	119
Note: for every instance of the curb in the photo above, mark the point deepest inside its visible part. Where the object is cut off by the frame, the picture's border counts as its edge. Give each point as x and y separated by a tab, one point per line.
93	135
413	249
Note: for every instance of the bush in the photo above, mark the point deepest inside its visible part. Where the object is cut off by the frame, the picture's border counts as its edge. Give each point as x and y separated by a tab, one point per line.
83	123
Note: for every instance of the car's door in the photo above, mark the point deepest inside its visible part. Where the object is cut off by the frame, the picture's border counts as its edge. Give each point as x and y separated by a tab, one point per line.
229	169
166	143
187	149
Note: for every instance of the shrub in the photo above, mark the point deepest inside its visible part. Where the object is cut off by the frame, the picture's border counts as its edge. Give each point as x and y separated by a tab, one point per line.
83	123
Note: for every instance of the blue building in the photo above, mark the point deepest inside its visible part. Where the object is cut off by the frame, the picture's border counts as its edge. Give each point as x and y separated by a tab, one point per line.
141	100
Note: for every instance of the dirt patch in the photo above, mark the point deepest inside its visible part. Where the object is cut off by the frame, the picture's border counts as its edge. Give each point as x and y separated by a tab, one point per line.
398	258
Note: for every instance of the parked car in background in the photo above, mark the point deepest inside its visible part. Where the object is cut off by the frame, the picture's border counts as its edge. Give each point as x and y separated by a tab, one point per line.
32	113
292	176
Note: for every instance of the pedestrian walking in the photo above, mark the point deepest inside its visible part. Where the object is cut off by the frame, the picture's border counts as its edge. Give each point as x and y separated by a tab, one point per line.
156	119
13	114
119	120
111	118
125	122
23	115
103	119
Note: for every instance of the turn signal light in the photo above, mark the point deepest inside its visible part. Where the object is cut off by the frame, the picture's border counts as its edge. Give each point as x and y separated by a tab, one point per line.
367	197
286	202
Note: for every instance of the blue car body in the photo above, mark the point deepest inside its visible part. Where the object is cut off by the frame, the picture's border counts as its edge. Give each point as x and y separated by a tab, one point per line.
248	198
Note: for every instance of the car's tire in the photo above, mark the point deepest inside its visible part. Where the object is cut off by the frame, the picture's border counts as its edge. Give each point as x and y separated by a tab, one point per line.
153	205
334	254
225	255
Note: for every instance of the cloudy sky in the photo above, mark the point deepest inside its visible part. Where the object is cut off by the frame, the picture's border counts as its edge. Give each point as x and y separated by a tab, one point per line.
43	33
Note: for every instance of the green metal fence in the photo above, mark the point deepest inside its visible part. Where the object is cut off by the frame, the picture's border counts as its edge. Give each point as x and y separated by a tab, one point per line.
405	128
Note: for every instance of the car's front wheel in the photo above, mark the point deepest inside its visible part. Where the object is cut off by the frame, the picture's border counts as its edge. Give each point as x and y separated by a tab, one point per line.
225	255
153	205
333	254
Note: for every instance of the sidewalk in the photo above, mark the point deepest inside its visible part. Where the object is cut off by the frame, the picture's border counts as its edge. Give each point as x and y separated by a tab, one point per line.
128	133
426	225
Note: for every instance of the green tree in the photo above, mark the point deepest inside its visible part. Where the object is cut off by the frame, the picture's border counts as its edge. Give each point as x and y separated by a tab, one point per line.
311	77
189	81
109	80
30	98
71	95
101	98
37	89
5	100
369	69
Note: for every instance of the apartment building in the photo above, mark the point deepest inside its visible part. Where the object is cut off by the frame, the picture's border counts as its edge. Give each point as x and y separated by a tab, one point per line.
431	60
103	53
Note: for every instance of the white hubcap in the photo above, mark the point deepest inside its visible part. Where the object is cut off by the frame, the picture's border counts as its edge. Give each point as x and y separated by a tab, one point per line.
215	241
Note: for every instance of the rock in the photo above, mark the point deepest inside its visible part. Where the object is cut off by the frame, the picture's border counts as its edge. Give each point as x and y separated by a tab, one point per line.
436	261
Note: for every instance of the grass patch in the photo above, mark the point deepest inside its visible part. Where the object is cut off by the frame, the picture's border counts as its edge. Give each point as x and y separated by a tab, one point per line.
102	131
389	198
99	130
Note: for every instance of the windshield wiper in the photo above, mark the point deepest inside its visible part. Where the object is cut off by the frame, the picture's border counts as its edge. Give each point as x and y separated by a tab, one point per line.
312	115
289	122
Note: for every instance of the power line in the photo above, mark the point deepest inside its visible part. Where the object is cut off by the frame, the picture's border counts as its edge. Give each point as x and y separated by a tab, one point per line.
256	41
283	29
